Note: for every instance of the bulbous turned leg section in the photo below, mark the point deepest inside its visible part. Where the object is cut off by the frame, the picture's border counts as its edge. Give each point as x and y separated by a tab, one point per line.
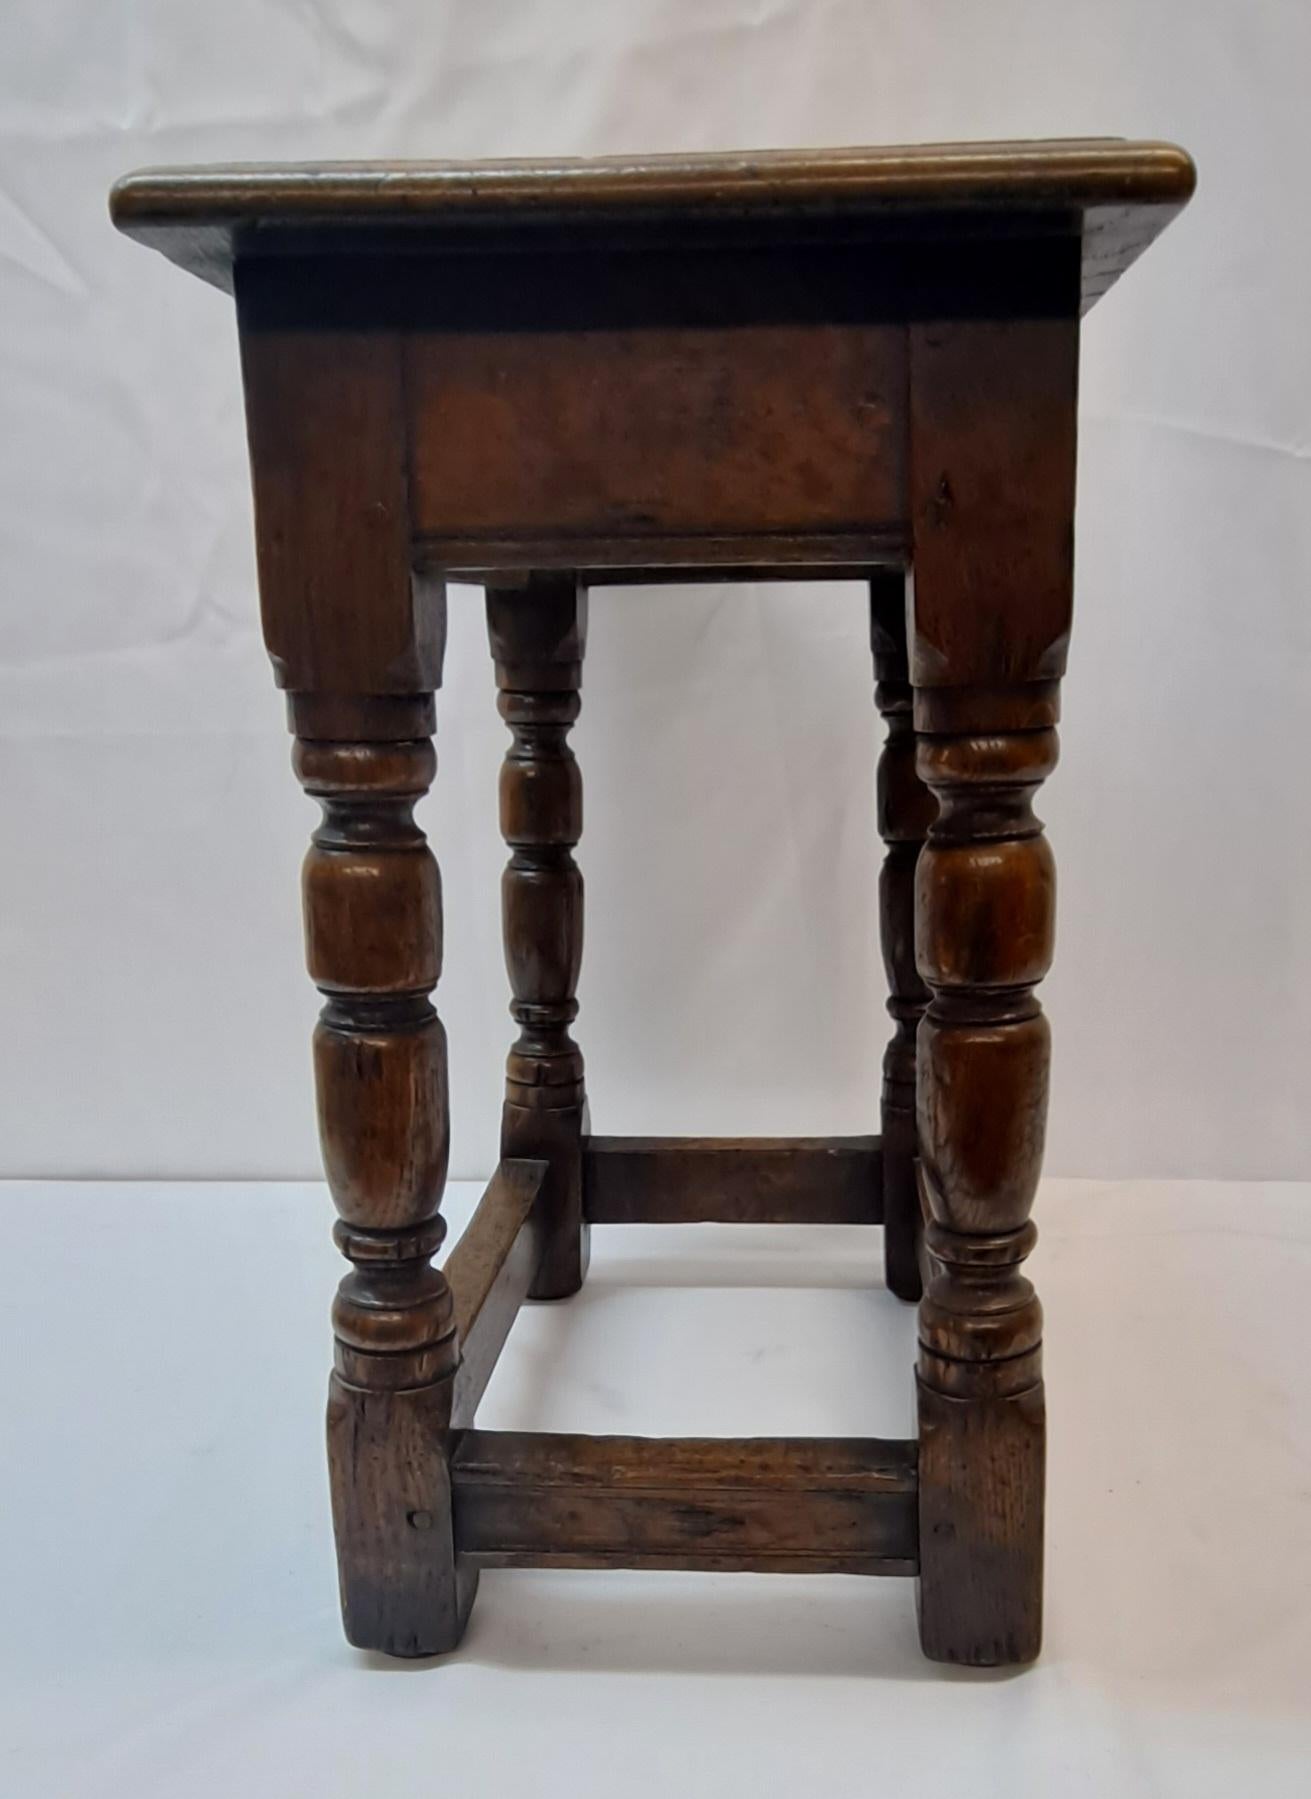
538	633
373	934
984	921
905	810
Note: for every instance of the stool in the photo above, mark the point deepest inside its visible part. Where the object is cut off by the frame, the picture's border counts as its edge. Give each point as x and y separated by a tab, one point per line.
540	377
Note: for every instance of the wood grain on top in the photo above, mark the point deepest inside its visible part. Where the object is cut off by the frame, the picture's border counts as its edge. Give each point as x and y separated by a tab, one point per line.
1118	193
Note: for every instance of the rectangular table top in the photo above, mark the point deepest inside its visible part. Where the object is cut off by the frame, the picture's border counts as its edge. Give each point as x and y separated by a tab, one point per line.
1116	194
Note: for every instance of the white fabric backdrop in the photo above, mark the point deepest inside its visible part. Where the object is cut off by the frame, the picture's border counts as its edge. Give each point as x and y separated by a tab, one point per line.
154	1005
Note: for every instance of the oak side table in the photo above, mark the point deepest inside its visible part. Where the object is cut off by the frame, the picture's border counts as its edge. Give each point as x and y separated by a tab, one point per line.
543	376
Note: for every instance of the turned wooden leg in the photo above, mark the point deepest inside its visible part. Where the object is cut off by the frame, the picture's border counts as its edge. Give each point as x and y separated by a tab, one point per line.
905	809
538	633
356	638
984	913
992	474
373	935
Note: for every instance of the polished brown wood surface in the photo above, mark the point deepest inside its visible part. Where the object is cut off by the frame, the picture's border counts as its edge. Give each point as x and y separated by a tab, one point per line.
992	472
856	363
905	810
733	1180
373	937
489	1272
1113	193
538	633
788	1505
537	442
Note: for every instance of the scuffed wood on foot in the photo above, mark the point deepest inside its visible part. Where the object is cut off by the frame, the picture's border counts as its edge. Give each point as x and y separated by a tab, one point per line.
404	1590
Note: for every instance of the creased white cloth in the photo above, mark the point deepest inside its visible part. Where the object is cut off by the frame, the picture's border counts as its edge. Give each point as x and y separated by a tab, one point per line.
150	964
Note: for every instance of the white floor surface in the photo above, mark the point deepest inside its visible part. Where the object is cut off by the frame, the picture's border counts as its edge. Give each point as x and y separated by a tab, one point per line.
169	1622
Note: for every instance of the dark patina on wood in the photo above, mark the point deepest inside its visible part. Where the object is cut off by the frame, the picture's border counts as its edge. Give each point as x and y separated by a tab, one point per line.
548	375
785	1505
489	1272
1117	195
732	1180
